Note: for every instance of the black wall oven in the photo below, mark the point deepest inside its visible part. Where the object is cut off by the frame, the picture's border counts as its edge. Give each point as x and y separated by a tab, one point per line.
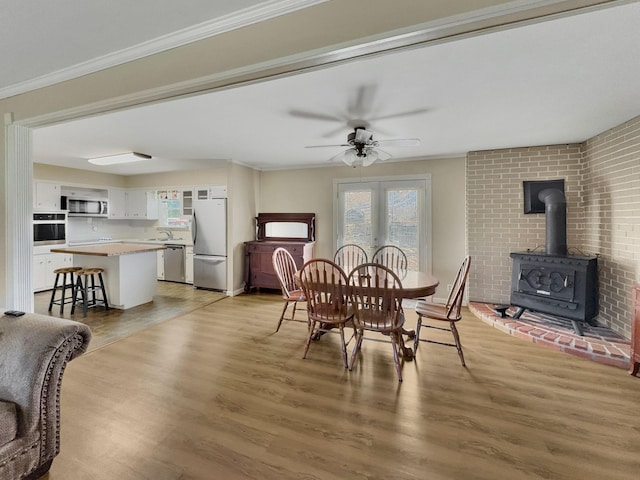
49	228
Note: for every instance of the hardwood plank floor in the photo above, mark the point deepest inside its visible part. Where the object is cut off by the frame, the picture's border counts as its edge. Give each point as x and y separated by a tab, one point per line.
171	299
216	394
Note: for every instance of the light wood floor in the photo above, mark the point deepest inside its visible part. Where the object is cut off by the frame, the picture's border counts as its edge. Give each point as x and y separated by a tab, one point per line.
215	394
171	299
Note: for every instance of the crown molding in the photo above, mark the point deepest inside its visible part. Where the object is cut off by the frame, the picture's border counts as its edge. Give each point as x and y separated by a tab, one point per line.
217	26
481	21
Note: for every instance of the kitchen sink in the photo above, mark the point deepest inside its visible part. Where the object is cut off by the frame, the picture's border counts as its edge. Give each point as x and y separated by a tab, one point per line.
165	241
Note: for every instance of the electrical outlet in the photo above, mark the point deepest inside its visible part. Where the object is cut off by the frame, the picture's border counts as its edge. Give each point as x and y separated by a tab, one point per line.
449	287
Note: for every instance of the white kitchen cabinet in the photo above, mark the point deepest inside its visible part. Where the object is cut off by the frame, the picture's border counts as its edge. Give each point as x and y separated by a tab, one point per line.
187	202
142	205
117	203
136	204
43	266
207	193
201	193
160	264
188	267
46	196
40	272
132	204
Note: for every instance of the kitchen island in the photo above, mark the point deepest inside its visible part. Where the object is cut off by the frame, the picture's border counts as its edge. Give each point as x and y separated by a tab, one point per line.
130	269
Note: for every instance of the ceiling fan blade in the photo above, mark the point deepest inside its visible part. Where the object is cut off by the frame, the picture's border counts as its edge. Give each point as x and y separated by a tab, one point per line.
322	146
360	105
382	155
333	132
315	116
407	113
400	142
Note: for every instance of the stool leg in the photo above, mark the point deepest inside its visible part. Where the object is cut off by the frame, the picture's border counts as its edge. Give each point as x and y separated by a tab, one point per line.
53	293
78	291
64	291
85	297
92	289
73	290
104	292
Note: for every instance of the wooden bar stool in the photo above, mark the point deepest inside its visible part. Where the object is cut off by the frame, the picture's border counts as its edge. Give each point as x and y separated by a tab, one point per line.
86	287
67	282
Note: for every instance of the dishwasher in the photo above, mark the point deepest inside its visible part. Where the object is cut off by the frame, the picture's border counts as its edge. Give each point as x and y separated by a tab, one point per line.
174	261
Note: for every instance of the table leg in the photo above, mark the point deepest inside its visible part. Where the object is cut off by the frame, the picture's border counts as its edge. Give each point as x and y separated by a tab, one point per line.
407	352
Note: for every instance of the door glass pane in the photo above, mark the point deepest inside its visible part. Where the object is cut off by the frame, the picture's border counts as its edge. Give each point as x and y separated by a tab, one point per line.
402	223
357	219
386	212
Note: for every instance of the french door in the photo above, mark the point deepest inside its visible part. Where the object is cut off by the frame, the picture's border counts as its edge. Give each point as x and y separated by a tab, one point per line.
373	212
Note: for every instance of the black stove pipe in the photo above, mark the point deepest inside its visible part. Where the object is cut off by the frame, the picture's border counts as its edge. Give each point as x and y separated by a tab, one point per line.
555	221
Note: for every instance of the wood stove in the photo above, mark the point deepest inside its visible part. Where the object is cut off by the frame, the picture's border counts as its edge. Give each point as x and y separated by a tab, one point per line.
554	282
561	285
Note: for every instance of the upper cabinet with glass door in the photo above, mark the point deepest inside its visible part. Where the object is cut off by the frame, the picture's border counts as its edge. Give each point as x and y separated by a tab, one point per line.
176	204
187	202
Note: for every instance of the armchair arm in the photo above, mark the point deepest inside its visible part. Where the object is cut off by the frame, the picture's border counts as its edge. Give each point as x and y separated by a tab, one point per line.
34	351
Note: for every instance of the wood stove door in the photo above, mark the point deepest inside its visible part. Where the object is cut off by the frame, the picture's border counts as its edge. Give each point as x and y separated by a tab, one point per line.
553	282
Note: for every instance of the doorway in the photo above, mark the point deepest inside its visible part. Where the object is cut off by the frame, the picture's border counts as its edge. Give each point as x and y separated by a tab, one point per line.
386	211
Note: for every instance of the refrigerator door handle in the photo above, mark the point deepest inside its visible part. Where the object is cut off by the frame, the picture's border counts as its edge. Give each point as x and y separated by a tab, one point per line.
194	227
201	258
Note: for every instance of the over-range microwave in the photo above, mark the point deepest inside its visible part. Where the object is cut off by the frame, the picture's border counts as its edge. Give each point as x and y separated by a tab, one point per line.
49	228
85	207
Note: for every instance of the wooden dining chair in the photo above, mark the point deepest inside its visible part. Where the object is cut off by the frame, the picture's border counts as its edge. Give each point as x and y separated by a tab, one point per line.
324	285
285	267
350	256
391	257
449	312
376	296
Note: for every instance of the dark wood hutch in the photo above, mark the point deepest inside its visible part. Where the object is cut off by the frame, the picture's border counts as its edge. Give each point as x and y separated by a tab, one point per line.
295	232
635	333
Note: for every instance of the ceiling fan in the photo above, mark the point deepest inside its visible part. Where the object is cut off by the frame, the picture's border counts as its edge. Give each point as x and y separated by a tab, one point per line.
361	103
364	149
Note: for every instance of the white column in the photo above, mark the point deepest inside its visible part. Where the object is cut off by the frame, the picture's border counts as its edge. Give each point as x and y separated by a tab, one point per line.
18	214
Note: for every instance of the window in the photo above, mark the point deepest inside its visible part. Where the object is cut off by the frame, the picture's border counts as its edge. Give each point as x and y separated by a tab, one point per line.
376	212
171	212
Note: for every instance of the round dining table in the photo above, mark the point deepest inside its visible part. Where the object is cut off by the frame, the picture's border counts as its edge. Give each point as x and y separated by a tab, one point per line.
415	284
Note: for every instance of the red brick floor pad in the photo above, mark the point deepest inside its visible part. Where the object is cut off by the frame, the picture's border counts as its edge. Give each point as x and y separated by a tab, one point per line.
598	343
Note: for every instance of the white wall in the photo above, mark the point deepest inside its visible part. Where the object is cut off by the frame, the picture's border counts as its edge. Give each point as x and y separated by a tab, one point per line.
311	190
244	191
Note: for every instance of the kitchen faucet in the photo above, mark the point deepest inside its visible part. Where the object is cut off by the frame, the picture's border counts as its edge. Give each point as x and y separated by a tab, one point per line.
168	232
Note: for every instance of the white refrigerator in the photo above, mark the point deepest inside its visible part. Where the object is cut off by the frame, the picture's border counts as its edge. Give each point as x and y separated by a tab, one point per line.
209	233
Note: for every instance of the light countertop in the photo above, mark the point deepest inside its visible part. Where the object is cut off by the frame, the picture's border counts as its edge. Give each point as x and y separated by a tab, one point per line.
110	249
147	241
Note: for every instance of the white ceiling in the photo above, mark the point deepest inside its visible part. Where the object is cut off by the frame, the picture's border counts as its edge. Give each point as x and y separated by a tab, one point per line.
558	81
49	41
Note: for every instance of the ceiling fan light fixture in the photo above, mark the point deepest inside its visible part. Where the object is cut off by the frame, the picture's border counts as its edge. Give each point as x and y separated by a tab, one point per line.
127	157
350	157
369	157
364	149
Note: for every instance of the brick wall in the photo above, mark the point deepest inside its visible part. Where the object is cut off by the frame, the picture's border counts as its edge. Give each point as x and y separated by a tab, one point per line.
496	223
602	186
611	204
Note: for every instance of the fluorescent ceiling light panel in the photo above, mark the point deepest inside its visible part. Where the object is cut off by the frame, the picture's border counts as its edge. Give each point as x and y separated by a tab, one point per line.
120	158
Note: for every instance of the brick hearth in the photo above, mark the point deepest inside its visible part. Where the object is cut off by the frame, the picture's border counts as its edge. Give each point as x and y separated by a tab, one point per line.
599	344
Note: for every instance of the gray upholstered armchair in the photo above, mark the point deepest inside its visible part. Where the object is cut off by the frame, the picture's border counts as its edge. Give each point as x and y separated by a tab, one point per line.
34	351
